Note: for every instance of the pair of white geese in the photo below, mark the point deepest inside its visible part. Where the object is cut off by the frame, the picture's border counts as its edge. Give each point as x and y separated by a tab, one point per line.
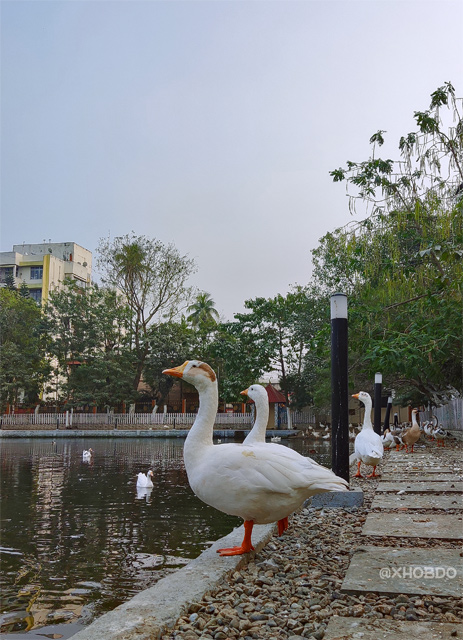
261	482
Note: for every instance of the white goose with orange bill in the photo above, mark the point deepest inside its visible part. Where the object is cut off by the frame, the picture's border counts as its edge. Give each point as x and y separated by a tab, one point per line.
253	480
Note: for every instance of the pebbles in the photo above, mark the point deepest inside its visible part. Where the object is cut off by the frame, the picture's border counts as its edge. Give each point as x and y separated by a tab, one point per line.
291	588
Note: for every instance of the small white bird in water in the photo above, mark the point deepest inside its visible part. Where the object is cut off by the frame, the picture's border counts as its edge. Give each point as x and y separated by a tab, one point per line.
87	454
144	479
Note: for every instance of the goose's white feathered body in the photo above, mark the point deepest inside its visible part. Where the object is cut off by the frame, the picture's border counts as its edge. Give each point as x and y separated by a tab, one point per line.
387	439
87	454
261	482
144	480
368	446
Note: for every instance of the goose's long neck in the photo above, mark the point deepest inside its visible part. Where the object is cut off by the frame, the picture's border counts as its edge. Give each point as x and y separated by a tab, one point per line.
260	425
367	419
262	412
201	432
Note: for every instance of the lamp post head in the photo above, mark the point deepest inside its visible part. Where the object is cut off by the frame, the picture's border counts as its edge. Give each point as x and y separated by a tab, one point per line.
338	306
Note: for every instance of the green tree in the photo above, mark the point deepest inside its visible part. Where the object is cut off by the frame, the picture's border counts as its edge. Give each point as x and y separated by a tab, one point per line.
402	264
90	345
24	290
152	277
10	282
170	343
23	367
275	334
202	312
203	316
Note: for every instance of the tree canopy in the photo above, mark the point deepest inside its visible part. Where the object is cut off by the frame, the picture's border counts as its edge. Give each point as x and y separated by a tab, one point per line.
152	277
402	264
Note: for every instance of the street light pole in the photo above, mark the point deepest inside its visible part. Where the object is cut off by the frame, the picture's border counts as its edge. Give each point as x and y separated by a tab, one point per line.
339	387
377	412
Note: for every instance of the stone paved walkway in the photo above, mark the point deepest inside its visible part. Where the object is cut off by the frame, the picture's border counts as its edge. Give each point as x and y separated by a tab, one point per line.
433	492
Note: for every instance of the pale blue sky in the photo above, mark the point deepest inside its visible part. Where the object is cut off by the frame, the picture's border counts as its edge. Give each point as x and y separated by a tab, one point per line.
212	125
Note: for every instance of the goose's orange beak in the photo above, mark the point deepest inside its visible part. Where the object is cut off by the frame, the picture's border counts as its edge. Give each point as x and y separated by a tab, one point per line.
244	393
177	372
355	395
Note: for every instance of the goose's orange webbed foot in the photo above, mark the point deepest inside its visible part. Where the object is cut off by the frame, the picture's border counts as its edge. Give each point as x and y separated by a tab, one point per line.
358	474
246	545
282	525
373	475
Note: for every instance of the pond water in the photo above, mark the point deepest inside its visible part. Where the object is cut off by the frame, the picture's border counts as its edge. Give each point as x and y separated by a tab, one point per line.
78	539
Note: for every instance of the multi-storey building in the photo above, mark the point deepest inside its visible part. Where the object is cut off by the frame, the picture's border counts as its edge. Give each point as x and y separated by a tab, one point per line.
44	266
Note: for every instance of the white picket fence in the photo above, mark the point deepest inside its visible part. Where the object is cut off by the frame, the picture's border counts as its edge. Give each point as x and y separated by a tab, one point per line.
450	415
153	420
297	417
76	420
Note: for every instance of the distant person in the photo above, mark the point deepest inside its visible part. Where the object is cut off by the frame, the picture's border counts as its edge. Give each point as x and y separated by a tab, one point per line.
396	420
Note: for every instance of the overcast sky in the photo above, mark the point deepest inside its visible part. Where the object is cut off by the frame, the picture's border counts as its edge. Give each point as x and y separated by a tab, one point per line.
211	125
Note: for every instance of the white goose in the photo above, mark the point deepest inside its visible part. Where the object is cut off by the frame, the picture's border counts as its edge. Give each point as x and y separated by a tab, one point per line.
440	435
144	480
252	481
387	439
368	446
87	454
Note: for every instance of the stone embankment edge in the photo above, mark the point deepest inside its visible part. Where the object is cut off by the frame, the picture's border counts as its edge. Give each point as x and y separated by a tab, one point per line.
149	614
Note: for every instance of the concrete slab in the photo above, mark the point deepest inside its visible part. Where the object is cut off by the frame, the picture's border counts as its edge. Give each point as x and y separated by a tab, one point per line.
421	487
417	501
337	499
419	525
395	476
411	571
356	628
149	614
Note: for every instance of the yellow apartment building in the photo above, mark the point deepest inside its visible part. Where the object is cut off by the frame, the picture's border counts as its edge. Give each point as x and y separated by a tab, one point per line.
44	266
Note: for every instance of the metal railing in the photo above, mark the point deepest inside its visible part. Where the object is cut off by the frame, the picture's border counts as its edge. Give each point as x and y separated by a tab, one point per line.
76	420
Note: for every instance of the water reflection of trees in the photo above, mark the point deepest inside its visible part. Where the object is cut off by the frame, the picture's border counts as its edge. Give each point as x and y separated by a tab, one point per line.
82	523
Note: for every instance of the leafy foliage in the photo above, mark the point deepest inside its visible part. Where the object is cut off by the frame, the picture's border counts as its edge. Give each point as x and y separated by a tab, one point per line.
402	264
90	345
23	366
152	277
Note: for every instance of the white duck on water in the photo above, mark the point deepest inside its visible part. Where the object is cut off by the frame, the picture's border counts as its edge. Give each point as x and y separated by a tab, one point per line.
87	454
144	480
368	446
252	481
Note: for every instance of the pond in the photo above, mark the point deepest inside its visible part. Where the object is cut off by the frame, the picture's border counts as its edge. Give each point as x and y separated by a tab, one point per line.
78	538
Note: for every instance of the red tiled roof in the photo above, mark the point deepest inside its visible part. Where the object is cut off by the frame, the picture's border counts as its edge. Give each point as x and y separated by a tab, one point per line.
274	395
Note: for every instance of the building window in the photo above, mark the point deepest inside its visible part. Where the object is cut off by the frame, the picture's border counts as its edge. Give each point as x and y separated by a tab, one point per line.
36	273
36	294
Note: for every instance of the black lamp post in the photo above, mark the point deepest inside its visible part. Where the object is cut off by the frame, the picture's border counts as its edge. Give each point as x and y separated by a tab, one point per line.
339	387
377	412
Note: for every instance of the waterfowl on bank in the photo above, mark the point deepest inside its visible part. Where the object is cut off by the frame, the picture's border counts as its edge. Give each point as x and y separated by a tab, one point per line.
253	481
440	435
144	480
387	439
368	447
87	454
412	435
259	396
